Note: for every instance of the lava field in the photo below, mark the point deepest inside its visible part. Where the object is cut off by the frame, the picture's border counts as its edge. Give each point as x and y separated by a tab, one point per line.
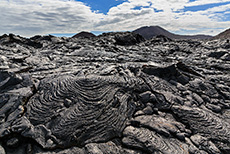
116	93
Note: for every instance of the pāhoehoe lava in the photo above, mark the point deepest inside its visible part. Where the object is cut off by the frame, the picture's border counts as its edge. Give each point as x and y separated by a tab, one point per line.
114	93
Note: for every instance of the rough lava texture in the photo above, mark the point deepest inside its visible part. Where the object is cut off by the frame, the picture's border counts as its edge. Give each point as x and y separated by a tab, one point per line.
115	93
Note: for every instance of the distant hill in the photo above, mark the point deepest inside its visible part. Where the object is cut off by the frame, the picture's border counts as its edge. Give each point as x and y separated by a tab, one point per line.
149	32
223	35
84	35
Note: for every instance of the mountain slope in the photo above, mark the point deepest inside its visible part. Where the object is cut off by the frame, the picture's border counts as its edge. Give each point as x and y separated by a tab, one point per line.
84	35
223	35
149	32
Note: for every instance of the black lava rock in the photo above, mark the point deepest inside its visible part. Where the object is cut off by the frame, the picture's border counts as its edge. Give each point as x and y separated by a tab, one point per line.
114	93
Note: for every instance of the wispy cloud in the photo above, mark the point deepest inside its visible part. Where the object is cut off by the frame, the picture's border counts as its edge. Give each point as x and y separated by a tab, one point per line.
30	17
205	2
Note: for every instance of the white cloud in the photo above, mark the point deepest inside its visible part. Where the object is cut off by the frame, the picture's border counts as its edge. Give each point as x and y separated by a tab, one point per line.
27	17
171	16
30	17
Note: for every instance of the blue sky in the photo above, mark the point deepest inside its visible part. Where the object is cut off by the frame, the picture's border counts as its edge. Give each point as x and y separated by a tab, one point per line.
102	6
67	17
